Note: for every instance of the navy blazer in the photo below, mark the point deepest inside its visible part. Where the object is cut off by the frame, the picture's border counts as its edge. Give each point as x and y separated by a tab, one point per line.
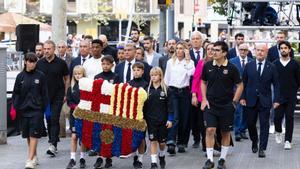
232	54
119	70
76	61
237	62
193	57
273	53
260	87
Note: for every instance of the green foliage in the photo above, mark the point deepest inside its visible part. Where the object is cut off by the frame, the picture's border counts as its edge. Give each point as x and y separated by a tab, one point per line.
219	6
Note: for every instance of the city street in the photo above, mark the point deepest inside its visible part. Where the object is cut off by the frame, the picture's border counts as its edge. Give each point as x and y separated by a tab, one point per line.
13	156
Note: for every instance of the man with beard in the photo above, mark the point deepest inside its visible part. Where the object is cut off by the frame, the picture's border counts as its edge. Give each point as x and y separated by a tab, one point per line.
151	57
274	51
289	81
39	50
234	52
162	62
135	38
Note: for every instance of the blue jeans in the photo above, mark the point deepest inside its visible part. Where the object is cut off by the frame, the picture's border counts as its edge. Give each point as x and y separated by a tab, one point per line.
181	101
240	121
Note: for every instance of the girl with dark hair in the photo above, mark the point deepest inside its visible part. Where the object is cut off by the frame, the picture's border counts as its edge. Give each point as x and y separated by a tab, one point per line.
30	97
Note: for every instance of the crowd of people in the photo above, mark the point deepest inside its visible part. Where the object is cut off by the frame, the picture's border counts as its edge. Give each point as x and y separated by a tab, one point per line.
205	89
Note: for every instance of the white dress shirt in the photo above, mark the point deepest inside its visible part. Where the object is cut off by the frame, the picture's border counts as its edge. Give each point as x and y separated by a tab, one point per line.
126	68
200	53
262	65
237	51
178	73
86	58
149	58
245	59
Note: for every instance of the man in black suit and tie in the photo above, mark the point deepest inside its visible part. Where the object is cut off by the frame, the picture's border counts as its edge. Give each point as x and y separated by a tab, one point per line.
124	69
84	54
197	52
258	76
234	52
274	51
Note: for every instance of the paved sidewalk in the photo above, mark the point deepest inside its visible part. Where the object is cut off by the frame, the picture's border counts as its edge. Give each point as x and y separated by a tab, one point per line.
13	156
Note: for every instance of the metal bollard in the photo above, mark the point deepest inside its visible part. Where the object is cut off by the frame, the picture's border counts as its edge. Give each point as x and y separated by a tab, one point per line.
3	105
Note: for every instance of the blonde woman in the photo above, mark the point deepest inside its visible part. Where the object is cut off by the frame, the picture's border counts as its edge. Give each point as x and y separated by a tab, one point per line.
178	73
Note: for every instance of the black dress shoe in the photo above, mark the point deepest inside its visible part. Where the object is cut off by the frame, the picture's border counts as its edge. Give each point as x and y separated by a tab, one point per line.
244	136
171	150
221	164
238	137
254	147
208	164
196	144
181	149
261	154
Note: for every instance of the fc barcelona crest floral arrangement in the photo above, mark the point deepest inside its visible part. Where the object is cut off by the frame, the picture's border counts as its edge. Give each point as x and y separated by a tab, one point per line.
110	117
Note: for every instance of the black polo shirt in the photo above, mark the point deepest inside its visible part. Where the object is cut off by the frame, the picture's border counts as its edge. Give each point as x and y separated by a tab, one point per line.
220	82
54	72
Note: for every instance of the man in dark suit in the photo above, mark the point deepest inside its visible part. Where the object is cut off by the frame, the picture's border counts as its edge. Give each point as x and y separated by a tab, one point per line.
258	76
274	52
84	50
197	52
108	50
62	52
162	62
124	69
240	123
233	52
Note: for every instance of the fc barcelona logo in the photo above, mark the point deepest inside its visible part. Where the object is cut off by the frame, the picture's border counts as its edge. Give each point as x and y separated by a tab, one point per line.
225	71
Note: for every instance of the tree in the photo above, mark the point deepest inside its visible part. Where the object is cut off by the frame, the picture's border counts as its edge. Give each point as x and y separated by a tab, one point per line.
219	6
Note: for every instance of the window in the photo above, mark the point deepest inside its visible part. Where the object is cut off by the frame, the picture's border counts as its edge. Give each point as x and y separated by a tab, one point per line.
32	6
142	6
181	8
105	6
71	6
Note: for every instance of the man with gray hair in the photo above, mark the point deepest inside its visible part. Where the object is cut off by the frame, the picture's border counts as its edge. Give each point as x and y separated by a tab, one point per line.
62	52
108	50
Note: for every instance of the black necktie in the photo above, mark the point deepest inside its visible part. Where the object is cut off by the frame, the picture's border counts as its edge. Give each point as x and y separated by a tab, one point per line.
198	55
83	60
259	69
128	74
243	63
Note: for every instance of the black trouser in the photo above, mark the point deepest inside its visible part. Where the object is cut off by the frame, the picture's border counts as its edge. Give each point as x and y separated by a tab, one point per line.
181	101
53	122
285	109
197	124
252	114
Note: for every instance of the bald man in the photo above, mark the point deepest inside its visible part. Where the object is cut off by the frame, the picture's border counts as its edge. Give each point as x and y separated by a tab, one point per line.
258	76
108	50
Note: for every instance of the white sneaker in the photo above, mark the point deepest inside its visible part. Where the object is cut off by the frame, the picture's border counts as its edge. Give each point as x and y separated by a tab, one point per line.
35	160
287	145
272	129
52	151
278	137
29	164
